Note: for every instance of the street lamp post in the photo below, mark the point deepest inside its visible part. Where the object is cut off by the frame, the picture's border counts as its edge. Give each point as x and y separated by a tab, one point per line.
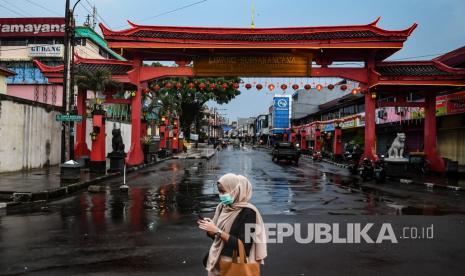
67	134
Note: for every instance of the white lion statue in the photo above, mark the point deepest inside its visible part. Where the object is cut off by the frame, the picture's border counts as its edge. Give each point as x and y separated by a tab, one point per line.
397	148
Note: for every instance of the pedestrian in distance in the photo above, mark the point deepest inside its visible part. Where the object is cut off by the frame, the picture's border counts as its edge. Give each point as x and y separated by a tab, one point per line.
228	226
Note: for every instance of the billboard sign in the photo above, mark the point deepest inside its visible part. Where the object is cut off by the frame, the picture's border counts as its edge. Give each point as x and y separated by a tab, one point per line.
35	26
280	113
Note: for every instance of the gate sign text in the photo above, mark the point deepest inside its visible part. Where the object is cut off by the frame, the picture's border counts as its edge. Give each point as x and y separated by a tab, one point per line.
254	66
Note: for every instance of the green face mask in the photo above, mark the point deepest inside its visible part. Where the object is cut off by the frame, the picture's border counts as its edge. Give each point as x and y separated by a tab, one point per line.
226	199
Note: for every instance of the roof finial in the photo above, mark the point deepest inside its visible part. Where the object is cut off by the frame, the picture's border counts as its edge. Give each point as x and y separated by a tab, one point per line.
252	25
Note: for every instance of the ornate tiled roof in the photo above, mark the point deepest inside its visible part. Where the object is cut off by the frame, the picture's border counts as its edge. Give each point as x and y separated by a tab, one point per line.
255	37
114	69
244	35
411	70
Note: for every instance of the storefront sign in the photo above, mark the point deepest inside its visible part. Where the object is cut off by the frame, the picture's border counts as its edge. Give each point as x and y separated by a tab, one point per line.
456	103
255	66
32	27
39	50
348	124
329	127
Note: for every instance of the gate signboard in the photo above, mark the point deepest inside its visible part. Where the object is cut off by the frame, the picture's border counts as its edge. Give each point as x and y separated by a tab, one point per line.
255	66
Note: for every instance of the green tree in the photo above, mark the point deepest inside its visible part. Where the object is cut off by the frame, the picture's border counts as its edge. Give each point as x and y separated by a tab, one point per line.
97	81
185	97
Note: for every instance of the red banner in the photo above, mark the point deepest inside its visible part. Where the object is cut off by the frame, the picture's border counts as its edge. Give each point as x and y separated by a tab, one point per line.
22	27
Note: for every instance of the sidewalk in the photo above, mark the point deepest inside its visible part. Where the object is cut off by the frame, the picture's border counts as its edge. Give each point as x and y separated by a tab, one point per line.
44	184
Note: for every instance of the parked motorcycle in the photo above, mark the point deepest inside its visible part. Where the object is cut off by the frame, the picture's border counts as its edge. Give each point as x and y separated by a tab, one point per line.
380	170
352	160
366	169
317	156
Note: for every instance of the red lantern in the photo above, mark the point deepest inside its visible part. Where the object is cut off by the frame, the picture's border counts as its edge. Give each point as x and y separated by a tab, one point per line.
271	87
202	86
224	86
319	87
168	85
259	86
248	86
145	90
178	85
331	86
308	87
156	87
283	86
354	91
191	85
343	87
236	86
212	86
295	86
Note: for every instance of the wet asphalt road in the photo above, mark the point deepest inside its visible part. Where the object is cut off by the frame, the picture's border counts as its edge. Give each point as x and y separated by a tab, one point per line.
152	229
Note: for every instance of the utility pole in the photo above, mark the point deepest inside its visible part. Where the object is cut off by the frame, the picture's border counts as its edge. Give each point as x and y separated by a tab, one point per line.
67	133
66	87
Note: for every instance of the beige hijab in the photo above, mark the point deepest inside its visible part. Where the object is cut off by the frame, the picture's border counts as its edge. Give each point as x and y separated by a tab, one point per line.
241	191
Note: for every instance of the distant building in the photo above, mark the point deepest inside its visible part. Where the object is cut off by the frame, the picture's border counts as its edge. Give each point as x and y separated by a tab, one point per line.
305	102
24	39
4	73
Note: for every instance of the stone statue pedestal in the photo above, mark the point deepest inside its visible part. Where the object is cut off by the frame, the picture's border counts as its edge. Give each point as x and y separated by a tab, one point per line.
116	161
396	167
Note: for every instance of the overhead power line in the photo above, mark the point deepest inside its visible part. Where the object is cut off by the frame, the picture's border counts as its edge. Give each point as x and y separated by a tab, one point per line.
98	14
168	12
44	8
10	10
23	12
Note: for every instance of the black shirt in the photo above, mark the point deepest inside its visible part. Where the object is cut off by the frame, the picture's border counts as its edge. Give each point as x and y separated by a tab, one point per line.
237	231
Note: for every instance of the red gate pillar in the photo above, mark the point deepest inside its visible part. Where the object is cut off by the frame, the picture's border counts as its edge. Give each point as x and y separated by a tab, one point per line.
293	138
370	126
303	141
436	162
97	155
317	140
81	149
135	154
337	146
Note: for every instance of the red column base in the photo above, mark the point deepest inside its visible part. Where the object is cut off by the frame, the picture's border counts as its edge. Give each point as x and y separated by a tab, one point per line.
81	149
135	156
436	163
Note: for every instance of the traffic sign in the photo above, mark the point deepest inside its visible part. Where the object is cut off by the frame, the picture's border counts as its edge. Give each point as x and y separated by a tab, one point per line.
68	118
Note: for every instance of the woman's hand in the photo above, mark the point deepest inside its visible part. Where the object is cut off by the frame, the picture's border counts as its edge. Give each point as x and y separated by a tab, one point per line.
207	225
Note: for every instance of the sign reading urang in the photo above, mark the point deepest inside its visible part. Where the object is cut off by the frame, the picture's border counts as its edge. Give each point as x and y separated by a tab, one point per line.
276	65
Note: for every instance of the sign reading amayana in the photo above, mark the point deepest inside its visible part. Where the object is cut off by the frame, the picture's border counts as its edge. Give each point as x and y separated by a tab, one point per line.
32	26
276	65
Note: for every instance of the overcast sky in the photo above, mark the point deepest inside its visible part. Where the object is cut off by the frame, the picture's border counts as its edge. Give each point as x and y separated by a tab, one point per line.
441	22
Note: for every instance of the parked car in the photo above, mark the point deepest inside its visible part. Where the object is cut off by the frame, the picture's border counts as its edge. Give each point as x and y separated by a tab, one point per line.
285	151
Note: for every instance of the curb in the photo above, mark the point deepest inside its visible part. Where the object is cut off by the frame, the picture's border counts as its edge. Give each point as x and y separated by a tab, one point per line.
61	192
428	185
